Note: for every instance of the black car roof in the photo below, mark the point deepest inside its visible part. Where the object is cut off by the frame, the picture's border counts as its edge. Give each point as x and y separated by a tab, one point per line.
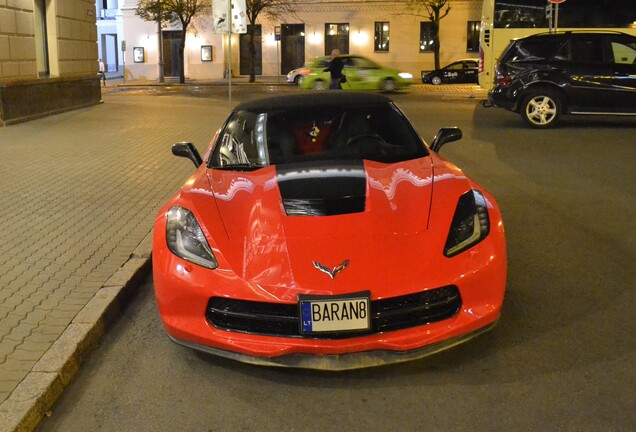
328	98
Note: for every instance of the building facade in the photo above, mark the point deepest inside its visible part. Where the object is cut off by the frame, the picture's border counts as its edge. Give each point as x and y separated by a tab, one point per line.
387	32
48	57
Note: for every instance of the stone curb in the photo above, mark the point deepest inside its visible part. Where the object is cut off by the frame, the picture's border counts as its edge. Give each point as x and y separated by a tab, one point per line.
36	394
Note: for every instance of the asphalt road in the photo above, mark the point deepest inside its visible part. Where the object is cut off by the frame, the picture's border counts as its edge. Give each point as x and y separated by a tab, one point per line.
561	358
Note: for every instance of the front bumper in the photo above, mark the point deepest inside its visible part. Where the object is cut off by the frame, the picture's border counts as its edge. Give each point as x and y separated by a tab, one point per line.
183	297
339	362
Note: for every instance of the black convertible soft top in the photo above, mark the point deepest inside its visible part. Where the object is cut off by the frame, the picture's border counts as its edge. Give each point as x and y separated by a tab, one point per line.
328	98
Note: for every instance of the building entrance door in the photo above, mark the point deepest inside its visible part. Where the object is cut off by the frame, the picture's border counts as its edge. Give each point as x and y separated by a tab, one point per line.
292	47
110	55
244	48
171	59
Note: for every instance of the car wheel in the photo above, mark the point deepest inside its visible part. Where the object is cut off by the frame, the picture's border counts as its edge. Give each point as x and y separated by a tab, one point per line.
541	109
389	85
298	80
320	85
436	80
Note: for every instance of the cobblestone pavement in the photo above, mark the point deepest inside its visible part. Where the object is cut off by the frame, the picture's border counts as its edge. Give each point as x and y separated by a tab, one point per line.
79	193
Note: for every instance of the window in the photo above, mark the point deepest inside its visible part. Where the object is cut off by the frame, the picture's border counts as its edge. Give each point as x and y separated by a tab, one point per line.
623	50
242	141
572	14
41	38
580	50
382	36
337	36
520	14
272	135
540	48
427	36
586	50
472	36
360	63
106	9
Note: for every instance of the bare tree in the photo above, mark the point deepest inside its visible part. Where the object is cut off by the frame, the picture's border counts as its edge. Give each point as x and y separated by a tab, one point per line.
435	11
275	10
153	10
172	11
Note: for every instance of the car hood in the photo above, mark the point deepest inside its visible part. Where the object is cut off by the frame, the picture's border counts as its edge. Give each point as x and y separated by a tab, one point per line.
376	197
273	237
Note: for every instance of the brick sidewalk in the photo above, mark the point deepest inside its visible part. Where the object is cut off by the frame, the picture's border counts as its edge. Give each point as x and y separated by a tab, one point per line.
80	191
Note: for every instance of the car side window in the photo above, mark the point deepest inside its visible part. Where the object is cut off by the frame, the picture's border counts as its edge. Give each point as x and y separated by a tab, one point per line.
580	50
586	50
563	53
534	49
239	142
363	63
454	66
622	51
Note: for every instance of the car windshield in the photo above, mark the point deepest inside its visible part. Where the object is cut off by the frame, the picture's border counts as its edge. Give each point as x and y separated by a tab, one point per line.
254	139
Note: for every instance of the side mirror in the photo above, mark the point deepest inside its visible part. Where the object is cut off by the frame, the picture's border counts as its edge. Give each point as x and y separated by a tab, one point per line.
187	150
445	135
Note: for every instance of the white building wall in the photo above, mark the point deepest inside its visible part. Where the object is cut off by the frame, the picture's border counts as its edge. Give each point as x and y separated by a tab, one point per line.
139	33
142	34
404	51
361	15
195	67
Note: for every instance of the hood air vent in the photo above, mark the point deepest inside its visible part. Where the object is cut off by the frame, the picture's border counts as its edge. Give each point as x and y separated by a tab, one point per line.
322	188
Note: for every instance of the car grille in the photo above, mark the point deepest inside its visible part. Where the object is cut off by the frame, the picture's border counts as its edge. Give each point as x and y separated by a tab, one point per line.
388	314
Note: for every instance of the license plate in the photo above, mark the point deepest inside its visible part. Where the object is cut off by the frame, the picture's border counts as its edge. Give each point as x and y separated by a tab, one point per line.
323	314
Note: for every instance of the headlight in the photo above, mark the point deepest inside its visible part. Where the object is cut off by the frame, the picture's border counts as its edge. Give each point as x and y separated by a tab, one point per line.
470	223
186	240
405	75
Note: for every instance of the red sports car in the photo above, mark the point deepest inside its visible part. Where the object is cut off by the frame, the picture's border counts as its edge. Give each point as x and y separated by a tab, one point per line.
320	231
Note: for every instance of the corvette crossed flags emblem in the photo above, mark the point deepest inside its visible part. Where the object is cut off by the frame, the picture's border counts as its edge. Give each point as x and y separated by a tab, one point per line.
331	272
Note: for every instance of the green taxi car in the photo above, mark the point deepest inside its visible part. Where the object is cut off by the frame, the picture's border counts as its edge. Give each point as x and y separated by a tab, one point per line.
361	73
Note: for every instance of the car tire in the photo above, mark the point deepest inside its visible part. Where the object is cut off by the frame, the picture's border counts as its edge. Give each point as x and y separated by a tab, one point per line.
436	80
541	108
319	85
298	80
389	85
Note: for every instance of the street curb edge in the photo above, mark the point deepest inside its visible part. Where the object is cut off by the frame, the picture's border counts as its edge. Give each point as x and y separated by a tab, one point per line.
30	401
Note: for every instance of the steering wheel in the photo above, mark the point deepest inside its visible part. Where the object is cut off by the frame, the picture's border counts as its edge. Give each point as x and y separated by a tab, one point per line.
368	135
